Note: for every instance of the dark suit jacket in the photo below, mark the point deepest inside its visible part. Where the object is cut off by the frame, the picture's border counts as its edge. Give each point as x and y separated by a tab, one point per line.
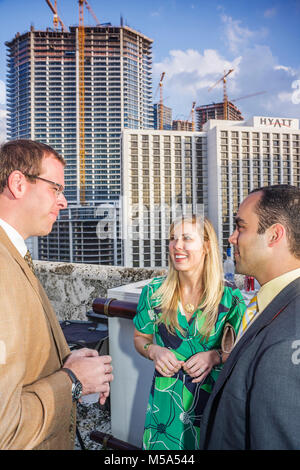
256	400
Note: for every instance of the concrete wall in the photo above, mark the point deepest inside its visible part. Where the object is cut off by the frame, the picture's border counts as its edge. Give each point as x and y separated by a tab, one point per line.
72	288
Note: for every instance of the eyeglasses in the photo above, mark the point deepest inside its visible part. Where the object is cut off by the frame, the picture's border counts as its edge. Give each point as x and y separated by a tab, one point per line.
59	189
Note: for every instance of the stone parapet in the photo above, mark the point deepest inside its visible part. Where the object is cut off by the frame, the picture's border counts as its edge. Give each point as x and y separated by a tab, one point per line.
72	287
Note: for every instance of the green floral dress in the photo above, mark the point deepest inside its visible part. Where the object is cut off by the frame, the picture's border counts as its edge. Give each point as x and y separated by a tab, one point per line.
176	404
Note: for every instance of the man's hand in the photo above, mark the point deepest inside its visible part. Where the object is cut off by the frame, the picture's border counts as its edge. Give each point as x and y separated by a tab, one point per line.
93	371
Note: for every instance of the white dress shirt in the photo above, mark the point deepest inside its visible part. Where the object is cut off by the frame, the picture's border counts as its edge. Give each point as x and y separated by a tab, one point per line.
272	288
14	236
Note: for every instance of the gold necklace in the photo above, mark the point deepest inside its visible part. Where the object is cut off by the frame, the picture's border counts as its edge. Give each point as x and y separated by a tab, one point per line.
189	308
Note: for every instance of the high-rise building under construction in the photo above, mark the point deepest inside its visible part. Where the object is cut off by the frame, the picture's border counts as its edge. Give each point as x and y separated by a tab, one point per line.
164	120
216	111
44	88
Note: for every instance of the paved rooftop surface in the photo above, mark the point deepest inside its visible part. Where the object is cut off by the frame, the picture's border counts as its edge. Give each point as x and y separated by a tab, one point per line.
92	417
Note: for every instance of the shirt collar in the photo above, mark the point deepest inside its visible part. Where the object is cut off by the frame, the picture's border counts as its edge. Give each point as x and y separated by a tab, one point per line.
14	236
272	288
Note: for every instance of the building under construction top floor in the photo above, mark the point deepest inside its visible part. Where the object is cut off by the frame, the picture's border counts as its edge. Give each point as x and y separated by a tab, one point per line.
179	125
216	111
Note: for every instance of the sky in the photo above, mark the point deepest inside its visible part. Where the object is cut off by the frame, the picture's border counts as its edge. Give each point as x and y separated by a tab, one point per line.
194	42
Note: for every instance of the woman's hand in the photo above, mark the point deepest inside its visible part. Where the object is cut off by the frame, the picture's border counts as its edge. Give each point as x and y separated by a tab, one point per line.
165	360
199	365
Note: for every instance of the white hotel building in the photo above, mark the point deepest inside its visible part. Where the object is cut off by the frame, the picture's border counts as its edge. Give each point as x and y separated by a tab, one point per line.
163	176
166	173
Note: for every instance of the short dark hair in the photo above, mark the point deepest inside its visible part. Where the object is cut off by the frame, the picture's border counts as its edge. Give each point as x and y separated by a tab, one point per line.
280	203
24	155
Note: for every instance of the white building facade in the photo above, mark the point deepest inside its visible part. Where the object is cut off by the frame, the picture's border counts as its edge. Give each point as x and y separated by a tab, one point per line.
164	176
243	156
168	173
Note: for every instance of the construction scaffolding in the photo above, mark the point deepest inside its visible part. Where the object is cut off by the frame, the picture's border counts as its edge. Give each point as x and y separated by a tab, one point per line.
216	111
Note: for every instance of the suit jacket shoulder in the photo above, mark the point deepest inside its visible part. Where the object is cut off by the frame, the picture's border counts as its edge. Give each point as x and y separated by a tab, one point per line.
253	405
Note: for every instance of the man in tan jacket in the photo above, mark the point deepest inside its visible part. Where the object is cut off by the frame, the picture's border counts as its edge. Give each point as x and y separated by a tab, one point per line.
40	379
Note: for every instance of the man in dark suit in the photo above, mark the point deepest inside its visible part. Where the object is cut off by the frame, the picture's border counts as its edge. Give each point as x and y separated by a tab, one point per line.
256	401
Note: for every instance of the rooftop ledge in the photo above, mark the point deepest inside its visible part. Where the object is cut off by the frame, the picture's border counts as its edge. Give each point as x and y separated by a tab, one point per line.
72	287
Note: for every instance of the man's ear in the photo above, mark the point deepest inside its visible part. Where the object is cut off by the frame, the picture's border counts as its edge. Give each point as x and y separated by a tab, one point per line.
16	184
276	233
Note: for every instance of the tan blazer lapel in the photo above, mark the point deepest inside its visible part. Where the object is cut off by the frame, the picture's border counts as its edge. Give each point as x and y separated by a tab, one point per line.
58	337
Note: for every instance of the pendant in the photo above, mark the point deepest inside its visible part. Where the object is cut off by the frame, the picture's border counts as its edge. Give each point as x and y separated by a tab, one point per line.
189	308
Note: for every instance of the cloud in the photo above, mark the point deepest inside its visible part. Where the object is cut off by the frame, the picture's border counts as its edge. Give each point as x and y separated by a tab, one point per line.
156	12
190	73
270	12
259	71
210	62
285	97
237	36
289	70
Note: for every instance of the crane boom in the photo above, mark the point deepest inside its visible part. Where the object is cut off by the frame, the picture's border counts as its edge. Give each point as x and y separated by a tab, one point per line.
56	18
193	115
225	97
91	12
221	79
81	57
161	107
249	96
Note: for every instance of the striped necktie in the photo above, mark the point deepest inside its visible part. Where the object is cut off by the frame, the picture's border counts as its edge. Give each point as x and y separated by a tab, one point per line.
29	261
249	314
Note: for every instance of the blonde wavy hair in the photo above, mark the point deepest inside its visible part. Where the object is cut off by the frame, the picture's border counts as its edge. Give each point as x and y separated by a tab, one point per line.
168	293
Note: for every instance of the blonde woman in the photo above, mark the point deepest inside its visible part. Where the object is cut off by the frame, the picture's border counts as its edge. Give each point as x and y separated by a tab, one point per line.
186	312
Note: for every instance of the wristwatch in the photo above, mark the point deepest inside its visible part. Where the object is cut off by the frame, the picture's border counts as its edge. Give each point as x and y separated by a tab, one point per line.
76	384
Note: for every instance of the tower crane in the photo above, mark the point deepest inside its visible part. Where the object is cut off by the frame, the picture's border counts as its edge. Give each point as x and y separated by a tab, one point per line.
81	103
225	97
248	96
81	57
91	12
193	115
56	18
161	107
